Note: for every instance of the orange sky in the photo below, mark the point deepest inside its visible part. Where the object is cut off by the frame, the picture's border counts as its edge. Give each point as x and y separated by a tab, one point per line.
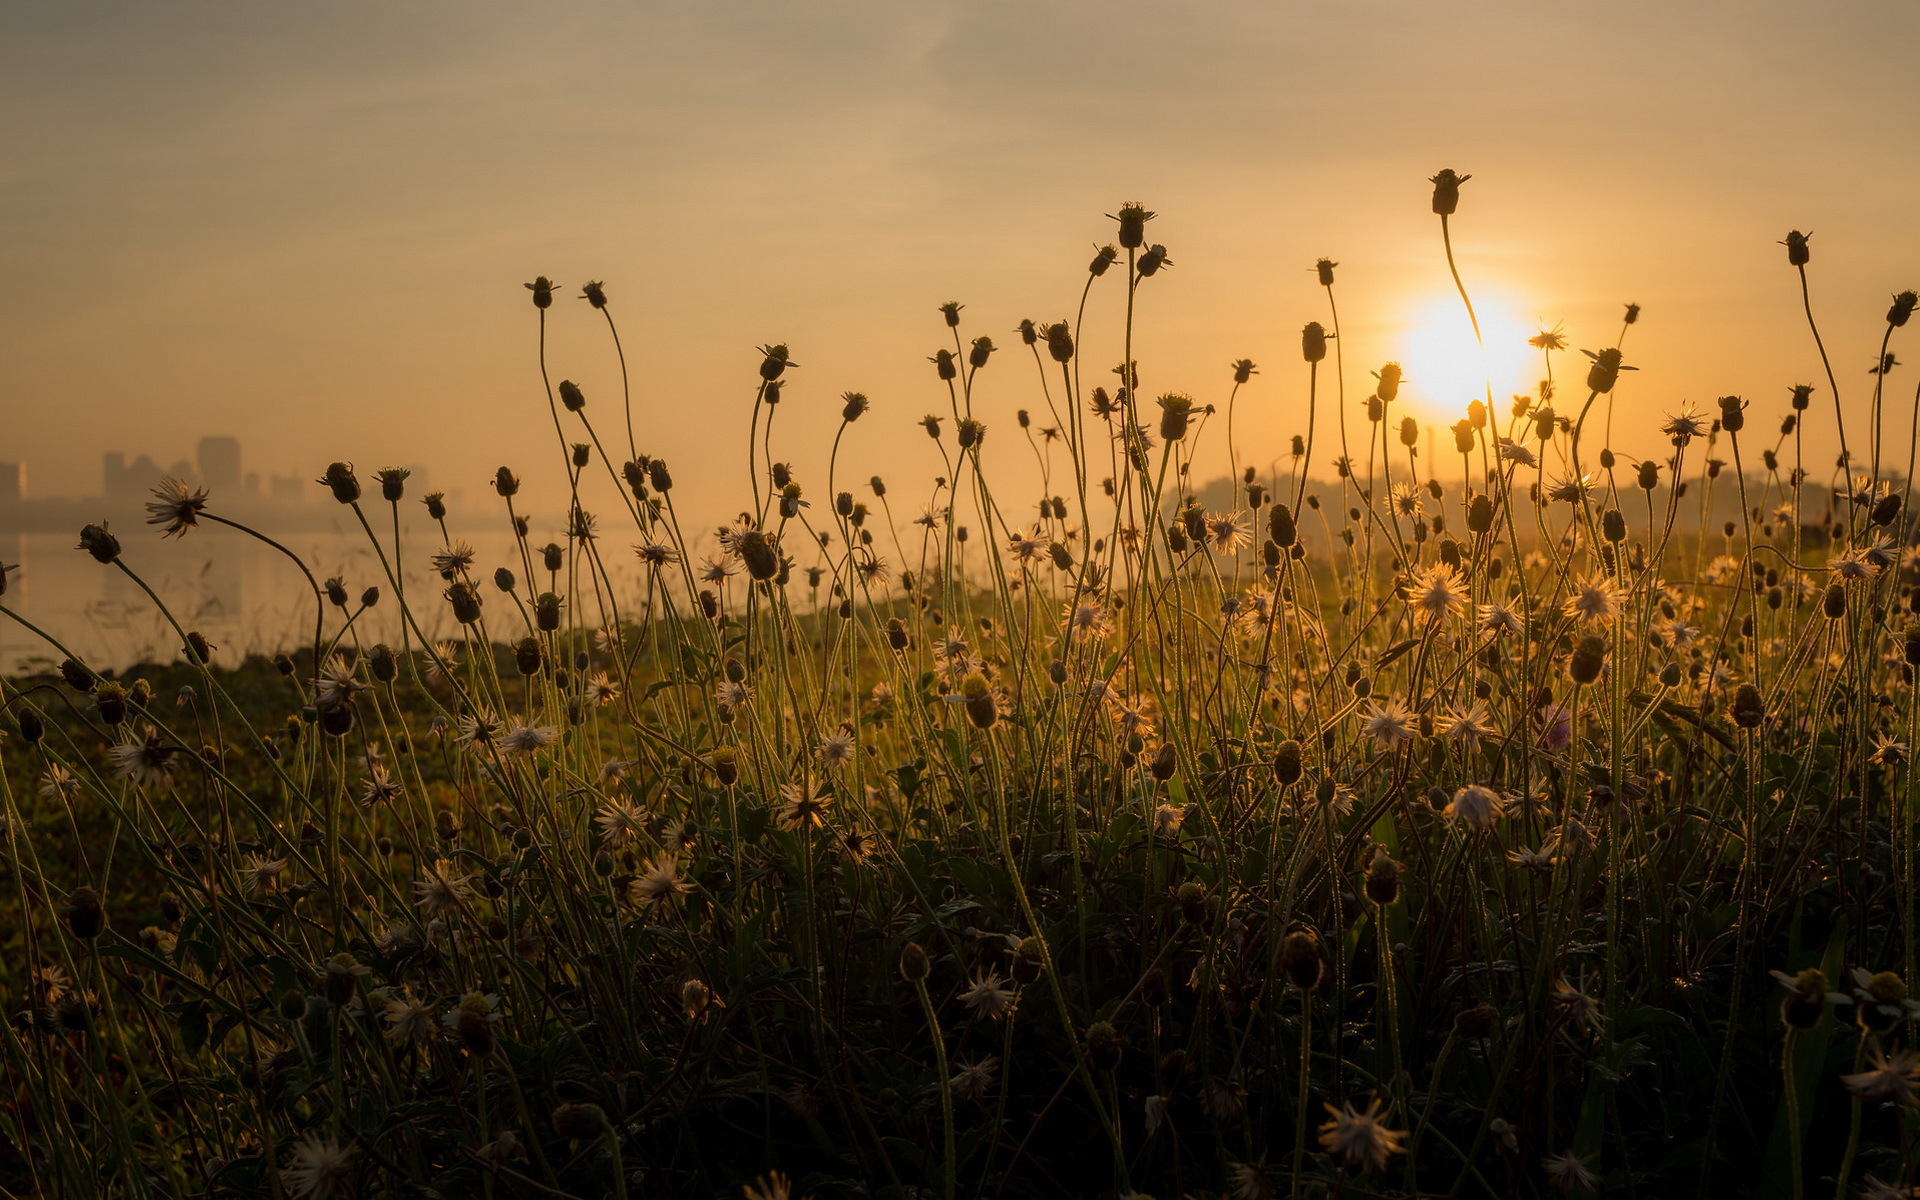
308	225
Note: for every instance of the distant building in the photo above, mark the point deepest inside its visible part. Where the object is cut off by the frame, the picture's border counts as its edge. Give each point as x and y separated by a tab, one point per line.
219	459
121	479
253	483
13	482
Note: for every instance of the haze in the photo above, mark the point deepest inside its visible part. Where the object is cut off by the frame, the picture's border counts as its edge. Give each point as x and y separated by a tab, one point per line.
308	225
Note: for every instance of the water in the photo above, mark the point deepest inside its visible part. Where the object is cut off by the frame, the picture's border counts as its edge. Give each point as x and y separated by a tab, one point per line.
244	596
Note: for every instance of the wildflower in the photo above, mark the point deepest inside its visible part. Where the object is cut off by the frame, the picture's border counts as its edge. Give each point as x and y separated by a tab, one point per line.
1872	1188
1555	725
1549	339
1527	859
1436	593
731	694
1027	547
1513	452
985	997
1853	567
973	1080
409	1020
1882	999
1891	1077
176	506
772	1186
1405	501
1088	619
262	875
1571	489
1888	752
146	762
1388	723
1468	727
1569	1172
58	783
836	749
619	823
873	570
525	739
716	569
1476	807
1500	619
439	889
338	684
1581	1008
479	730
1685	425
804	808
657	554
454	559
1358	1137
660	881
1227	532
1167	819
1593	601
602	690
380	787
319	1169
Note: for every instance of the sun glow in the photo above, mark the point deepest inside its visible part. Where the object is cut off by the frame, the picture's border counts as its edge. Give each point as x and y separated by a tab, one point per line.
1445	366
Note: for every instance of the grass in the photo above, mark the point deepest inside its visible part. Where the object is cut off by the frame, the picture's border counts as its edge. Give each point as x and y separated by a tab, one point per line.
1368	835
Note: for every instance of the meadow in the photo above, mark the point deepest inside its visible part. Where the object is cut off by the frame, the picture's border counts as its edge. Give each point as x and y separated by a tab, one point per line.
1355	832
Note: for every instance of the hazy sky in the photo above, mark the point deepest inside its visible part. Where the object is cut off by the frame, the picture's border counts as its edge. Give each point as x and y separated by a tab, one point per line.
308	224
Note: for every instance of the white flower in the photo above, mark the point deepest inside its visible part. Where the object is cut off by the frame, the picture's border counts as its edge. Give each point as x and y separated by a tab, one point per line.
319	1169
1476	807
1388	723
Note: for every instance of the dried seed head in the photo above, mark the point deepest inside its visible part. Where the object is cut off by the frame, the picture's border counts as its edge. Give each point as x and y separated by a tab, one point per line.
1902	309
1105	1045
1325	270
1796	244
594	294
572	396
1387	383
1748	709
542	289
855	403
1060	342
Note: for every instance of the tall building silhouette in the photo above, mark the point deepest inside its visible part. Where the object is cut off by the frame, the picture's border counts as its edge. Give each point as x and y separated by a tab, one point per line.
13	482
219	459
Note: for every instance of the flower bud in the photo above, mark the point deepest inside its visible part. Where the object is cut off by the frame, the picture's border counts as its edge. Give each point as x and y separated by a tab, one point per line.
436	503
1165	762
1446	191
85	915
1060	342
393	483
1105	1044
103	546
915	966
1796	244
465	601
572	396
1300	959
342	482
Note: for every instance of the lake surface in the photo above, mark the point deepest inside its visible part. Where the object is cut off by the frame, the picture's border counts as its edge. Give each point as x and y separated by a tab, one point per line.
244	596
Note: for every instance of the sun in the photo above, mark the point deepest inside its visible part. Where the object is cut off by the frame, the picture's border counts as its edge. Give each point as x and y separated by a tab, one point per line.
1446	366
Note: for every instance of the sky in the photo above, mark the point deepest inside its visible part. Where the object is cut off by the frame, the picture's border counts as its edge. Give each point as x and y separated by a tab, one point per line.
307	225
